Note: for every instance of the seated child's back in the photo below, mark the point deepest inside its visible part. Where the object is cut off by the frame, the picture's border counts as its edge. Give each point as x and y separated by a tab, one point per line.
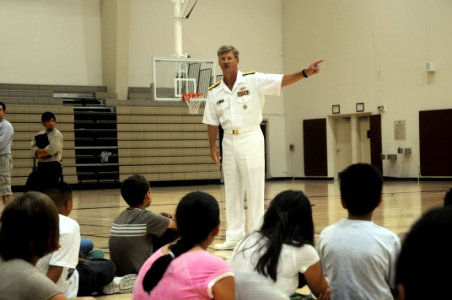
134	230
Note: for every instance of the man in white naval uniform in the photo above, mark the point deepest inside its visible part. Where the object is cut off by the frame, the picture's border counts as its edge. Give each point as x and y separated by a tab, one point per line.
236	103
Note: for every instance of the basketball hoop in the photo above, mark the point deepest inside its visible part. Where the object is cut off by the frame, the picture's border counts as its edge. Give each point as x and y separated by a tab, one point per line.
193	101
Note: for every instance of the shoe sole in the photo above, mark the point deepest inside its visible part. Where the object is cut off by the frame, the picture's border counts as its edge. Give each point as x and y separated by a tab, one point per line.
125	285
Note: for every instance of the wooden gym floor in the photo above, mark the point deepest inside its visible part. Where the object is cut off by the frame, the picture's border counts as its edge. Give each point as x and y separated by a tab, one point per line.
403	203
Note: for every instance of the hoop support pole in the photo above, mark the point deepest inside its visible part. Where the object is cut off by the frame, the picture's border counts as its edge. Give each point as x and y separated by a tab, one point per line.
178	28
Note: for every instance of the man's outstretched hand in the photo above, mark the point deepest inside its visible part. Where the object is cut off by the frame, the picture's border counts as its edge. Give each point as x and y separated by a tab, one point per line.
314	68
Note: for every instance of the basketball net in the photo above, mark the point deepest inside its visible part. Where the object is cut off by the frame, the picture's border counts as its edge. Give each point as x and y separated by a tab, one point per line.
193	101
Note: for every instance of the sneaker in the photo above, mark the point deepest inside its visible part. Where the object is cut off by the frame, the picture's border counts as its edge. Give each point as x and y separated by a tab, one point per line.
227	245
120	285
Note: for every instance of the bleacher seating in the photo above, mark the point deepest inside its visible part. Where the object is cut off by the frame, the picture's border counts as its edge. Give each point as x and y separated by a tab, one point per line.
159	140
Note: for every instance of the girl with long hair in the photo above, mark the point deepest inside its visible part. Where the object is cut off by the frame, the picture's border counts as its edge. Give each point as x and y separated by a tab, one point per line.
272	262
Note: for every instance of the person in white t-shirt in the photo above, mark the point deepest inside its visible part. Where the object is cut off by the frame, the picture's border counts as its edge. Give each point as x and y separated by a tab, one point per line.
60	265
280	257
74	276
358	256
236	103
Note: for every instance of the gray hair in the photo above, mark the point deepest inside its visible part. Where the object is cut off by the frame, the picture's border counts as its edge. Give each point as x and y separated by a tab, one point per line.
226	48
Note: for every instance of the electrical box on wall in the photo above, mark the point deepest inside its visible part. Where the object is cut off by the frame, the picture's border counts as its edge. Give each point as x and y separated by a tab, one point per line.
430	66
400	130
392	156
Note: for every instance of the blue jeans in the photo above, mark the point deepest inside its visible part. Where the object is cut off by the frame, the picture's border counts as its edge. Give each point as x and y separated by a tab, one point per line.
86	246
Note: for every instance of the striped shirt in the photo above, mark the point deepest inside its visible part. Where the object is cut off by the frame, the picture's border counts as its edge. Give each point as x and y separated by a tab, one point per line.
130	241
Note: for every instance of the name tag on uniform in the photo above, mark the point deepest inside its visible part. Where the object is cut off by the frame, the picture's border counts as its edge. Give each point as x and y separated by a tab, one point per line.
220	101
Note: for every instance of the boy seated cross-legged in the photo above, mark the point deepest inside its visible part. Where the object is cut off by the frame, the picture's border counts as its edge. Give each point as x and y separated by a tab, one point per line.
74	276
358	255
137	232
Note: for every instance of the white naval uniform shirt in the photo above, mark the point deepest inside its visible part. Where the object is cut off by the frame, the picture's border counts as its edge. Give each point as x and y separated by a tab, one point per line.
242	107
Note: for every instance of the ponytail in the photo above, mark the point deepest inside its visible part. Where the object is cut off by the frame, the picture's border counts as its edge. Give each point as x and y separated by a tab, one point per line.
197	214
158	268
155	273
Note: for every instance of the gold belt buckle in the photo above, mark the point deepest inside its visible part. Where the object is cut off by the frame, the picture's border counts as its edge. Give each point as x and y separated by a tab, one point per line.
235	131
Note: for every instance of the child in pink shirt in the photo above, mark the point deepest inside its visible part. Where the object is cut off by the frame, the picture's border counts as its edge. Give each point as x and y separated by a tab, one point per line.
185	270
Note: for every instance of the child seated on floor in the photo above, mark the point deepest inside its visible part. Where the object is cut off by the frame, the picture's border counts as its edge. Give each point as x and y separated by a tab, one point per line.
184	269
280	257
358	255
74	276
29	231
136	232
424	257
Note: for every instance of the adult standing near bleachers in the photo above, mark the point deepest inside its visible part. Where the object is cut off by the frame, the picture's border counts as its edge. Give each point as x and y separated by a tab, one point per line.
47	147
6	164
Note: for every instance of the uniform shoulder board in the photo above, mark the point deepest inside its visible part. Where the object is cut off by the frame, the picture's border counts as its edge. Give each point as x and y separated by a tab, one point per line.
249	73
214	85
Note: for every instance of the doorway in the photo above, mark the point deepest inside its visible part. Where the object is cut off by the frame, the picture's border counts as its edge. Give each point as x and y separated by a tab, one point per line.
352	141
343	139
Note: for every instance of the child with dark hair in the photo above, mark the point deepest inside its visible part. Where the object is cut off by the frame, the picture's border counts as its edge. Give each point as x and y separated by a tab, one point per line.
74	276
269	262
425	258
136	231
48	153
185	270
28	231
359	256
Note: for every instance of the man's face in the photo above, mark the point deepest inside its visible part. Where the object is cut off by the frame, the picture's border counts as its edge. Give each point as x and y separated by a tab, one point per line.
228	62
50	124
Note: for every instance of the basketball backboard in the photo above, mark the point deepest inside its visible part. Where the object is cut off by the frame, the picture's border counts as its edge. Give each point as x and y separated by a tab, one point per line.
176	76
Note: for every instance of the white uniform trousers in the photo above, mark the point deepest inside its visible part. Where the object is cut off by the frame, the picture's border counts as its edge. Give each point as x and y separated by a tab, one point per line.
243	166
